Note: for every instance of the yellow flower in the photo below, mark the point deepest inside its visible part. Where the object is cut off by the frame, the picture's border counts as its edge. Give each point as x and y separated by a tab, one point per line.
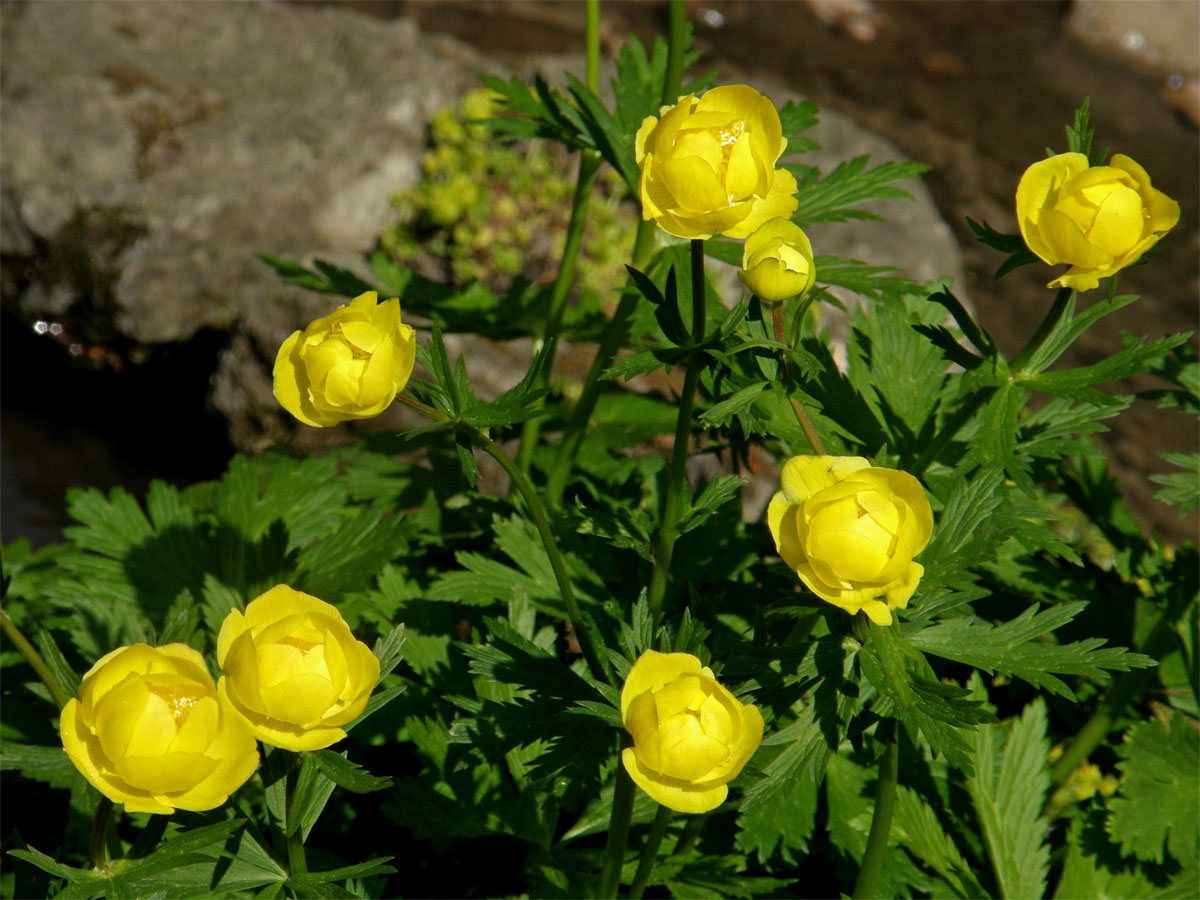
690	735
851	530
777	261
349	364
294	670
1097	219
708	165
149	731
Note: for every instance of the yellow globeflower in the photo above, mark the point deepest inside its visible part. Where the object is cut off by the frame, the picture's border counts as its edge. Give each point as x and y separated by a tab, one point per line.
777	261
851	530
149	731
708	164
293	669
349	364
1097	219
690	735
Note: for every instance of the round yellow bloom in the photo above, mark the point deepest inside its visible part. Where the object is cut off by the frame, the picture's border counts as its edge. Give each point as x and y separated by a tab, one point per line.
690	735
708	165
149	731
294	670
777	261
851	530
349	364
1097	219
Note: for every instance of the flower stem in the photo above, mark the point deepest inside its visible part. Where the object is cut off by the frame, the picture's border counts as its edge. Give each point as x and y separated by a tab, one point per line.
583	634
618	326
97	849
965	413
669	527
592	44
34	658
618	830
612	339
881	823
1124	688
691	834
589	165
650	853
1049	323
789	382
297	863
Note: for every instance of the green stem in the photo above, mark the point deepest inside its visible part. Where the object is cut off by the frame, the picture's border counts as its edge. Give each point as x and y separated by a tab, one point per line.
538	512
881	823
34	658
97	849
668	531
964	415
297	863
589	165
1124	688
676	47
613	338
785	365
618	327
592	44
691	834
1049	323
618	830
649	853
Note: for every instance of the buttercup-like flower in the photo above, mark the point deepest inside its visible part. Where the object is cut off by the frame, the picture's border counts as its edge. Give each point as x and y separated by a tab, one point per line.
708	165
349	364
777	261
1097	219
149	731
690	735
294	670
851	530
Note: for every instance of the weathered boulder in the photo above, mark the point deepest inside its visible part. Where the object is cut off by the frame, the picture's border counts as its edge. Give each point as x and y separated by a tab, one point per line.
151	150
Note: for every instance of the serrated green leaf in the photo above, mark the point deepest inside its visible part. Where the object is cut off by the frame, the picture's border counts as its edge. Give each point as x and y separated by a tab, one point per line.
1010	648
1180	489
1155	810
49	765
783	823
830	199
918	828
347	774
312	791
1008	791
177	850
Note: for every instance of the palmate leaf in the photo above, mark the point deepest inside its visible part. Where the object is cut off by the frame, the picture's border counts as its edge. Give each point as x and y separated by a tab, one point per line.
1008	791
968	531
1095	867
1014	648
830	199
782	824
1155	810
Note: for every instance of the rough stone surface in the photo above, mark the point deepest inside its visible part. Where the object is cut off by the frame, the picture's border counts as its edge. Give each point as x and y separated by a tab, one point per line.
150	150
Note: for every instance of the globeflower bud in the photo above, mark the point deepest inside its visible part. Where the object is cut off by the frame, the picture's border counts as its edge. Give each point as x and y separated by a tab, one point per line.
850	531
777	261
708	164
1097	219
293	669
690	735
148	730
349	364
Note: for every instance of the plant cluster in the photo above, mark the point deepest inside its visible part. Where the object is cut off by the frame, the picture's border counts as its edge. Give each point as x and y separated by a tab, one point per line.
943	660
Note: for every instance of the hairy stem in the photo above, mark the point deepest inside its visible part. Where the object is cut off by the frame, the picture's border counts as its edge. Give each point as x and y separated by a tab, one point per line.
881	823
668	531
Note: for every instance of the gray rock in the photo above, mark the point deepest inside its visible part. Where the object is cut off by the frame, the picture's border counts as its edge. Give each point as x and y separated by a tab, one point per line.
151	150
